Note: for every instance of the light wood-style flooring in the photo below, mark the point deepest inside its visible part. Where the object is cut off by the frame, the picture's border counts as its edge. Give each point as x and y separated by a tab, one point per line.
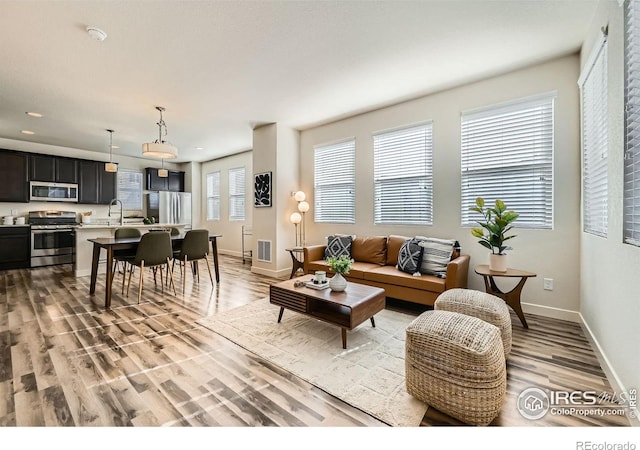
66	361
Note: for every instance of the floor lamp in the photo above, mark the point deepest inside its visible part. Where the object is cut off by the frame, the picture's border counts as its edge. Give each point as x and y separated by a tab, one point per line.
295	218
303	207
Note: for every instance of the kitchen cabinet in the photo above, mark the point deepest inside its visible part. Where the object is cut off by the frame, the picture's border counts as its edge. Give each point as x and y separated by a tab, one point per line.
14	173
174	182
53	169
15	247
95	186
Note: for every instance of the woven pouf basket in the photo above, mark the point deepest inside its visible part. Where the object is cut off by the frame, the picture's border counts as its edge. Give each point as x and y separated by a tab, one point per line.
479	304
455	363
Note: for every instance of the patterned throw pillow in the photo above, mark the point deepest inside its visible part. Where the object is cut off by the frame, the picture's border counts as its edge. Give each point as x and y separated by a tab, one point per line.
410	256
436	255
338	246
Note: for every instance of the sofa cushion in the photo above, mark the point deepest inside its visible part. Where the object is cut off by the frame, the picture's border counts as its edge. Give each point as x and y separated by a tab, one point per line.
391	275
394	243
370	249
436	255
338	246
410	256
357	270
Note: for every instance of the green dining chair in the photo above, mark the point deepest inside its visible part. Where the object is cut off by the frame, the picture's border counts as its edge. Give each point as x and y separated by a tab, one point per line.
126	255
195	247
153	250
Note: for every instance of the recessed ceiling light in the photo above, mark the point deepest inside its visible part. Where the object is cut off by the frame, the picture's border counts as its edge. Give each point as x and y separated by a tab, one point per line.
26	132
96	33
115	146
199	148
33	114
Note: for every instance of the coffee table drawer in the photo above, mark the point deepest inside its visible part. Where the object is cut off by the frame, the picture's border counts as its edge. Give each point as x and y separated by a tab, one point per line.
288	299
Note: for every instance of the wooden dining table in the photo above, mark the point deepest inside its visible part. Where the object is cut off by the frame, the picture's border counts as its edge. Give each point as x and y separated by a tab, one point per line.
111	244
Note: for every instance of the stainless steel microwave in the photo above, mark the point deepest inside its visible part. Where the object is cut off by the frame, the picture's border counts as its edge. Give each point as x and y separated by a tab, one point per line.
53	192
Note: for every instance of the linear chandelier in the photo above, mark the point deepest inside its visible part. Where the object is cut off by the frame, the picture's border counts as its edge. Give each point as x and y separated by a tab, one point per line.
160	148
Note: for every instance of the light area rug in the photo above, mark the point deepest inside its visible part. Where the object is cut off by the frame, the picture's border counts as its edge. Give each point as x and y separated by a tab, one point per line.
369	374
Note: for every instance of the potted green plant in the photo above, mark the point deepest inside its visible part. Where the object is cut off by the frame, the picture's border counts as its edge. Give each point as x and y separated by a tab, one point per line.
340	265
493	231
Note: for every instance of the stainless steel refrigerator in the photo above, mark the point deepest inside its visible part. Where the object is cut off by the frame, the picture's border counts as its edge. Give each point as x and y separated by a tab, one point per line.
170	207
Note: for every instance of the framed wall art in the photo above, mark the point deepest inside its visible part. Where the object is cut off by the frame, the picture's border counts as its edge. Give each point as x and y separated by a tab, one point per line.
262	190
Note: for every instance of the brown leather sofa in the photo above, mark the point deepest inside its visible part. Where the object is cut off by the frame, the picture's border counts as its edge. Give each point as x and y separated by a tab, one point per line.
375	259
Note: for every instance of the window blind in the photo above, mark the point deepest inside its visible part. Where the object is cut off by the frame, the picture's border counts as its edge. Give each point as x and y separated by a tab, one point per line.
334	182
403	176
213	196
236	193
507	154
631	232
130	189
595	193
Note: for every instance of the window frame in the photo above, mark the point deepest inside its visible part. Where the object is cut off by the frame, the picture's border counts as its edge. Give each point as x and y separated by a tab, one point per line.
237	196
211	208
140	189
330	188
393	160
485	133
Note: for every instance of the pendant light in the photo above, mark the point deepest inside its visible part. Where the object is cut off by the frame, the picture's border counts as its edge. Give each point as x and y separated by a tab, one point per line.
163	173
160	148
110	166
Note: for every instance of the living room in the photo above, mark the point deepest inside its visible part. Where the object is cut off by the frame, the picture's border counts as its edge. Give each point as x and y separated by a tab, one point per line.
591	276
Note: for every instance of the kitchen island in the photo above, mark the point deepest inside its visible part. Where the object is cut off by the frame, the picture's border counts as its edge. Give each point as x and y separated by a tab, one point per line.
84	248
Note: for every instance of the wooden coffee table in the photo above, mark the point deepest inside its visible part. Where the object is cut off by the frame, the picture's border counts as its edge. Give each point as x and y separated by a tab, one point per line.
346	309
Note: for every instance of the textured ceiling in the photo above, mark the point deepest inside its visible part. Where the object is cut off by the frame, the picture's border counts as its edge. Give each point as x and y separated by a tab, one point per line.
221	68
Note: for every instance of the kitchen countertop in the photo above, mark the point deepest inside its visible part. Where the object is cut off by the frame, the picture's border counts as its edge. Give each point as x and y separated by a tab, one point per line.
14	226
94	226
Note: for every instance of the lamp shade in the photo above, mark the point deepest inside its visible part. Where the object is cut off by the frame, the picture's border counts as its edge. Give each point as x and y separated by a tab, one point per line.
163	173
110	167
299	196
295	218
303	207
159	150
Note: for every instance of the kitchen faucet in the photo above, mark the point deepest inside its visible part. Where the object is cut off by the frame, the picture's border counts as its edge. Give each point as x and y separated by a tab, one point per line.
121	215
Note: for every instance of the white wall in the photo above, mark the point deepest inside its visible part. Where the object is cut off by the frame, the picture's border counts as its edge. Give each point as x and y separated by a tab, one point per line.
549	253
610	302
124	162
231	231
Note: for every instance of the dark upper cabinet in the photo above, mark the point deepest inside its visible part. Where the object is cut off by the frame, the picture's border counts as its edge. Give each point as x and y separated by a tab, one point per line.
66	170
174	182
107	185
14	174
53	169
155	182
95	185
88	182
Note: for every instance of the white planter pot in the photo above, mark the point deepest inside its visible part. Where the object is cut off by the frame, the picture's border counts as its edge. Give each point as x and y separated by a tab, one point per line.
337	283
497	263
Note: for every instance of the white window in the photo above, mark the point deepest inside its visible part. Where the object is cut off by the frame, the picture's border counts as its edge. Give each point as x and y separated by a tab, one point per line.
631	232
403	176
507	154
593	89
334	182
236	194
213	196
130	189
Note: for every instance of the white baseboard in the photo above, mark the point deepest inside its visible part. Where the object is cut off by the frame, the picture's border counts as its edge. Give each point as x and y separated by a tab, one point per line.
612	376
550	311
271	273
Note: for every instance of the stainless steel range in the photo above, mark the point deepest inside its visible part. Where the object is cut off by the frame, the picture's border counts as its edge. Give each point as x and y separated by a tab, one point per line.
52	237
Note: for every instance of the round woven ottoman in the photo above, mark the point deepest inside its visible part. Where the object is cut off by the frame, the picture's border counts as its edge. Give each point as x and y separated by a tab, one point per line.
478	304
455	363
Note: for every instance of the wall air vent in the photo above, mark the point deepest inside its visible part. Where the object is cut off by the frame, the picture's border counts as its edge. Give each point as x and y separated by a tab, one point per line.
264	251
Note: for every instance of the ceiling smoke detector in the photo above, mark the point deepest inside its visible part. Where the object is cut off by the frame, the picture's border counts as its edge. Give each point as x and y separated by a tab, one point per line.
96	33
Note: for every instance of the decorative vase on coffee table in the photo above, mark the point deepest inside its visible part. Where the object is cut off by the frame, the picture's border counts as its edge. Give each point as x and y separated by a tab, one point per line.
337	283
497	262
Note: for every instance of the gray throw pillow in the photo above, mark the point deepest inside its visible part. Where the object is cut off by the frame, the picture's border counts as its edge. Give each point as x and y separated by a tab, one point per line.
436	255
338	246
409	256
